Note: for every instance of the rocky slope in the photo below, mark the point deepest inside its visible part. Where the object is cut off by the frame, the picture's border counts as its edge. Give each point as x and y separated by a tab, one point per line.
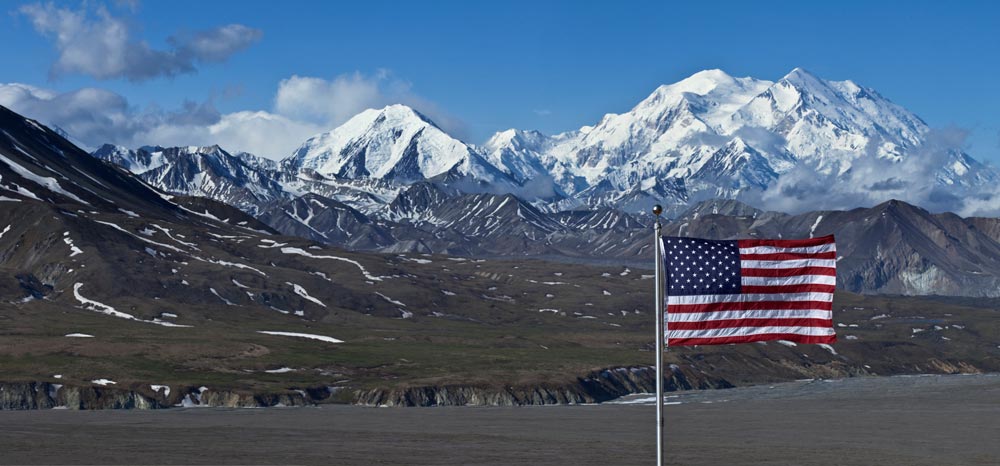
243	181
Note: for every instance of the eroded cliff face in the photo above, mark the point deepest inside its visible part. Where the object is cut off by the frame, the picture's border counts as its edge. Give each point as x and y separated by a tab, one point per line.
45	395
596	387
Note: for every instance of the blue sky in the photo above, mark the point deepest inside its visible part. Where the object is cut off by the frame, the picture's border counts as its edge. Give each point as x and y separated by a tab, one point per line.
481	67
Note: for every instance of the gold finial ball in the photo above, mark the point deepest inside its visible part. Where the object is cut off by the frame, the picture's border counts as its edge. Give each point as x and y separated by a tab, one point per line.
657	209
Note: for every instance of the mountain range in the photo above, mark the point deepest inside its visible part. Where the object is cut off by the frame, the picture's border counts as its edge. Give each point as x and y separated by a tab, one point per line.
391	180
708	136
115	294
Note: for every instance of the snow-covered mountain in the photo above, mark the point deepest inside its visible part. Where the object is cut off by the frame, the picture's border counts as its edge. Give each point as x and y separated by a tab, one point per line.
395	143
720	136
708	136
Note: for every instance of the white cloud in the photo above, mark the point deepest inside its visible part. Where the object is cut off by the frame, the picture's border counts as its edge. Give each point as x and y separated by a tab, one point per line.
303	107
98	44
96	113
95	116
261	133
333	101
922	177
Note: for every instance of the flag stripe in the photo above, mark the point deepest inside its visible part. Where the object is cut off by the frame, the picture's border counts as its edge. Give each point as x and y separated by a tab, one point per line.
789	272
737	298
788	264
825	305
745	331
781	256
804	339
792	280
750	314
741	323
772	249
786	243
790	288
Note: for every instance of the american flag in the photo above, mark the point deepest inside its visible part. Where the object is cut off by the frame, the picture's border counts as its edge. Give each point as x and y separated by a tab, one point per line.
741	291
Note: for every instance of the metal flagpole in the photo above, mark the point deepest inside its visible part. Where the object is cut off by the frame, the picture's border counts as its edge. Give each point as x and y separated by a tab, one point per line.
660	334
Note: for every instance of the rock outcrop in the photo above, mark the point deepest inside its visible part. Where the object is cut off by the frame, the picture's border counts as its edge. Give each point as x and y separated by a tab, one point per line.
596	387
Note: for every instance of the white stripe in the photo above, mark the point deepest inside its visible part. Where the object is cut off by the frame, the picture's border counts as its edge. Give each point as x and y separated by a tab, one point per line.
795	280
788	264
831	247
754	314
746	331
739	298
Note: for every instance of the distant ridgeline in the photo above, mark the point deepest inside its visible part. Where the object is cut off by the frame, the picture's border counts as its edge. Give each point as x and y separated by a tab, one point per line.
391	180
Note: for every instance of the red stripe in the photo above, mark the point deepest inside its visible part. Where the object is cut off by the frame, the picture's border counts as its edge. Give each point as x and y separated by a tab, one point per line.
829	271
731	323
786	243
751	306
807	288
783	256
805	339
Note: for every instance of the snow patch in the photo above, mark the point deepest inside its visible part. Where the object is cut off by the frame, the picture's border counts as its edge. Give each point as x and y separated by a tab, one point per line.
50	183
393	301
157	388
69	241
301	335
92	305
303	252
299	290
216	293
815	224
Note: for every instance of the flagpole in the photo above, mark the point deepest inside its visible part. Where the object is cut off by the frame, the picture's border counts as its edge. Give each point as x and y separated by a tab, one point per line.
660	334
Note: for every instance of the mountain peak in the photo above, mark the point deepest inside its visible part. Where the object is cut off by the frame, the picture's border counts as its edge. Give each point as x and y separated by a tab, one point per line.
737	144
700	83
801	78
401	112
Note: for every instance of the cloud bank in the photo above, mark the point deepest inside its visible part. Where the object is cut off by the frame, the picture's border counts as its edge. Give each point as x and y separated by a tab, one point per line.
937	176
98	44
303	107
